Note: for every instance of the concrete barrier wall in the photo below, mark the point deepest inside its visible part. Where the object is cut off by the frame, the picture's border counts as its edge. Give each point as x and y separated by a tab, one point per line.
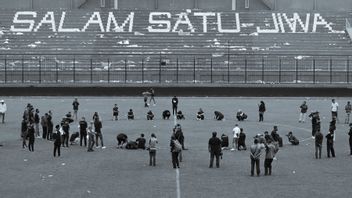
202	91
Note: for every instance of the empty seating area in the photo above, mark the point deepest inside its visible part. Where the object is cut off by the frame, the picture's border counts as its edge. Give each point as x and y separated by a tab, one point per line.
174	42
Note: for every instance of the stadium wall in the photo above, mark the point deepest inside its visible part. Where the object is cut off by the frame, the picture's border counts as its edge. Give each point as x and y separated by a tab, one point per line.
181	90
239	5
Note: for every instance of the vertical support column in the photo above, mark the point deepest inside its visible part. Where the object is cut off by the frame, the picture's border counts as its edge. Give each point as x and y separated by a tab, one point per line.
5	69
74	69
22	73
177	70
313	70
57	71
280	68
116	4
296	65
91	70
348	70
142	69
156	4
263	69
245	70
194	69
108	70
160	68
125	71
330	65
228	61
211	69
40	71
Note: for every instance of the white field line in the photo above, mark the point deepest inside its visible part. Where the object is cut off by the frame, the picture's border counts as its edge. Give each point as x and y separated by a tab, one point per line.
178	189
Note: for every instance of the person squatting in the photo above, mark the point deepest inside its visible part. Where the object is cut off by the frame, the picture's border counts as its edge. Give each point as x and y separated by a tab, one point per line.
90	134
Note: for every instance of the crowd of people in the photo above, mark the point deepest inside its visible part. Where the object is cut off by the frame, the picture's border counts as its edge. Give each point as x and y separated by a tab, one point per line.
91	132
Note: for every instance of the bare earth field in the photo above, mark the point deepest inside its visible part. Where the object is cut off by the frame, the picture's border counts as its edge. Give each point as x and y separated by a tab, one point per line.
113	172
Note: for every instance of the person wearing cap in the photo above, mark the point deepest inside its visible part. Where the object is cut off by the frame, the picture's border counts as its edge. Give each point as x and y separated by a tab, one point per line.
214	147
3	109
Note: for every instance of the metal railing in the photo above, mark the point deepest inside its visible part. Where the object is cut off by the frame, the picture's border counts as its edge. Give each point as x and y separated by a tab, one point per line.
164	68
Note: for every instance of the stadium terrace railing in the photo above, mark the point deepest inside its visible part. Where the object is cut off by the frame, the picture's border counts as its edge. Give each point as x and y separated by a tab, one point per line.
165	68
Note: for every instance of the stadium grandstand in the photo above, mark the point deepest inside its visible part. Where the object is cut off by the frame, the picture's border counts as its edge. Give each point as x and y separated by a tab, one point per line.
187	41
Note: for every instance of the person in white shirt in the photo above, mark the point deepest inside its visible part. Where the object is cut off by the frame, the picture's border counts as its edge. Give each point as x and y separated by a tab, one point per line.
334	109
3	110
236	134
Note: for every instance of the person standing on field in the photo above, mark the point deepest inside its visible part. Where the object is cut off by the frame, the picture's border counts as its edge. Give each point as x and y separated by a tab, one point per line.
350	139
36	122
214	147
262	109
174	102
348	109
152	94
318	144
75	105
115	112
3	109
255	152
152	150
334	110
302	115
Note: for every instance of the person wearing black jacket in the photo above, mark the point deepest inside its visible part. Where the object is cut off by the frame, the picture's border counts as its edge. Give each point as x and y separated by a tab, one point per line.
318	144
330	143
36	122
214	147
57	141
174	102
350	140
97	127
66	129
83	131
50	126
31	137
262	109
315	122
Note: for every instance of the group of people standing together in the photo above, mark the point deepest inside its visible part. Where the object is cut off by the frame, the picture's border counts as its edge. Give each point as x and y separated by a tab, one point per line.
91	132
60	134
